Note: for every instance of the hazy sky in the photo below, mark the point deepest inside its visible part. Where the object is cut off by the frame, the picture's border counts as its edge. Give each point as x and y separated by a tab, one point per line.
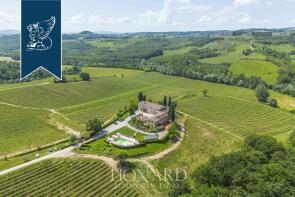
162	15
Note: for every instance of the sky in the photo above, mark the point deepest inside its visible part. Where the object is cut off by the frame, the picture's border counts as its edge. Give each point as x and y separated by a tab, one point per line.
162	15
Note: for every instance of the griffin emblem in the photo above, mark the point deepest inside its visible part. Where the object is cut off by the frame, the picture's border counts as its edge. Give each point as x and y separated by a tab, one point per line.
39	35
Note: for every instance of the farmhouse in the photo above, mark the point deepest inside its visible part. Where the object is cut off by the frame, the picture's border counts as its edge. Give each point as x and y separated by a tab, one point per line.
153	114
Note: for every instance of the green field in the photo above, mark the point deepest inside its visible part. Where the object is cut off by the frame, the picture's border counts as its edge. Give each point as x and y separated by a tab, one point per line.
266	70
23	129
66	177
230	56
77	102
38	117
282	47
5	58
255	56
54	96
202	140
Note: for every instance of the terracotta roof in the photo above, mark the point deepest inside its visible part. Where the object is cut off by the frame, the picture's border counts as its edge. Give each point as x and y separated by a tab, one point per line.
152	105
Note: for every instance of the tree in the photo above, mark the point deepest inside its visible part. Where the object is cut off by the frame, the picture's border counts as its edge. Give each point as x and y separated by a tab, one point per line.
173	132
254	81
120	113
124	165
272	102
169	101
93	126
140	97
172	109
255	170
73	140
179	184
265	144
144	98
72	70
63	80
205	92
261	92
165	101
292	138
132	107
85	76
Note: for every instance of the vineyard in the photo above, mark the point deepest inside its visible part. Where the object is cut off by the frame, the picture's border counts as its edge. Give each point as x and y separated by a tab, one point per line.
55	96
266	70
69	177
215	116
239	117
25	129
77	102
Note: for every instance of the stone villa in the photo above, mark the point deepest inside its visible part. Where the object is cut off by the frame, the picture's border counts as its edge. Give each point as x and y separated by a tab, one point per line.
153	114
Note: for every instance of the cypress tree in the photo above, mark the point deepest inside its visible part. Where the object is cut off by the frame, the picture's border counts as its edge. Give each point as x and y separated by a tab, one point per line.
169	101
140	96
165	101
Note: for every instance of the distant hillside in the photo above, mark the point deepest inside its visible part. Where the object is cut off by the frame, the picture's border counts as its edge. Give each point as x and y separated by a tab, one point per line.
9	32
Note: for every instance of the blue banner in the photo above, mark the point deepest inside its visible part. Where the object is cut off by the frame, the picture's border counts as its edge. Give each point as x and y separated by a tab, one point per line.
41	37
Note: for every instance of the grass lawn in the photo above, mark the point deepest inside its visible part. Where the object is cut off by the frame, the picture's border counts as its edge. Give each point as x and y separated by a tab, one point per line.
200	143
266	70
103	148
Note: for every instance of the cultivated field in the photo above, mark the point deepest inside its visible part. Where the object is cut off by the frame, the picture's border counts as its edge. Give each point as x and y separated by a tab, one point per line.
5	58
54	96
66	177
238	117
266	70
233	55
23	129
77	102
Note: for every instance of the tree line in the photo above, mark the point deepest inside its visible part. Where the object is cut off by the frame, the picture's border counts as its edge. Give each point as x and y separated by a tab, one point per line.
263	167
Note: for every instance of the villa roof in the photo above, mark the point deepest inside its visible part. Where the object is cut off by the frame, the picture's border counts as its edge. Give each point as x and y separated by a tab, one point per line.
152	105
159	117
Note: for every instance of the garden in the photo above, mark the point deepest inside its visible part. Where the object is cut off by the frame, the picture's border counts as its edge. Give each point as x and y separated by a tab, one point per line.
102	147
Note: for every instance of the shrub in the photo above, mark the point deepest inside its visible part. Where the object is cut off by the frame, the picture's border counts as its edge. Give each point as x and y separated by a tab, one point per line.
85	76
272	102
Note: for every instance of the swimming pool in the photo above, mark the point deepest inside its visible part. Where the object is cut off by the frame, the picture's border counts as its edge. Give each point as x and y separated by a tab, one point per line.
123	142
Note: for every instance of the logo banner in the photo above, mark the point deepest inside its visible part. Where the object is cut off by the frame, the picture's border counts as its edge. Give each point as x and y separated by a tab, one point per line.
41	37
